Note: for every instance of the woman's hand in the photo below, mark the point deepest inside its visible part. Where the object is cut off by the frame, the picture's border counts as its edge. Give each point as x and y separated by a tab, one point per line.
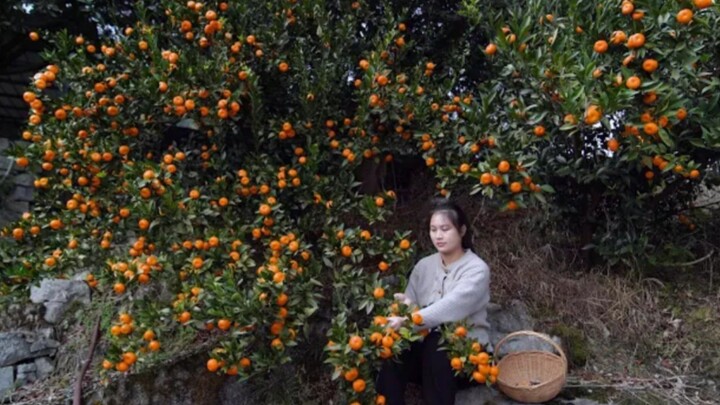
395	322
400	297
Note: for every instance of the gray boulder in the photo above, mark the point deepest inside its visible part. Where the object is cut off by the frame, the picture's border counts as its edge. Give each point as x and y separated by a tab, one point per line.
44	347
57	295
512	318
13	348
44	367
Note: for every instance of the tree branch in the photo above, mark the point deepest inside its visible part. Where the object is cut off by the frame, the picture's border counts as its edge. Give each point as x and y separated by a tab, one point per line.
77	390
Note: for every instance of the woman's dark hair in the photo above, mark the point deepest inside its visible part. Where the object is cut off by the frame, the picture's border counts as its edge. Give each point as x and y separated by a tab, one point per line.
455	214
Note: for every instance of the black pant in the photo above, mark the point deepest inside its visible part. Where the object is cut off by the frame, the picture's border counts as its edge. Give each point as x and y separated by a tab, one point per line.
422	364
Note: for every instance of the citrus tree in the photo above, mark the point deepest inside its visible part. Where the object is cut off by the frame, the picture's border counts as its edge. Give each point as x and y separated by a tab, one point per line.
612	105
204	165
199	166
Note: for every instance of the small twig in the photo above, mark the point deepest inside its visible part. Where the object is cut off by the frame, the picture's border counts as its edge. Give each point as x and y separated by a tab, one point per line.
77	394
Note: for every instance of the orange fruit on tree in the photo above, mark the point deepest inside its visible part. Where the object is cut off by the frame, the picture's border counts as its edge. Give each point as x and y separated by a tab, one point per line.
461	331
264	210
702	3
119	288
650	65
351	375
681	114
539	130
245	362
650	128
503	166
592	114
378	293
346	251
486	178
479	377
129	357
600	46
491	49
355	342
213	365
684	16
515	187
417	318
404	244
633	83
456	363
359	385
613	144
638	15
627	7
618	37
636	41
154	345
224	324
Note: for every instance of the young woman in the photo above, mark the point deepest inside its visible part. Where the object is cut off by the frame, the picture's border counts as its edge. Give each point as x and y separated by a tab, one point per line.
450	285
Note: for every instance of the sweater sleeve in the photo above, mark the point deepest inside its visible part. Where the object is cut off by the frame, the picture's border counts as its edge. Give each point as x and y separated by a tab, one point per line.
411	289
469	295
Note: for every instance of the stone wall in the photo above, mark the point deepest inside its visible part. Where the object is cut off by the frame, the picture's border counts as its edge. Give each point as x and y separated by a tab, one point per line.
26	357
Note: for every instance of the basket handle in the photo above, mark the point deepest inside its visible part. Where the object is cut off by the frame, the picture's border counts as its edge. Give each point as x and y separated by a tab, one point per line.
534	334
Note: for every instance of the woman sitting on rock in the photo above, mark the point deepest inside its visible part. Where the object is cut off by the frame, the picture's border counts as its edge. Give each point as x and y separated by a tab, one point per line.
450	285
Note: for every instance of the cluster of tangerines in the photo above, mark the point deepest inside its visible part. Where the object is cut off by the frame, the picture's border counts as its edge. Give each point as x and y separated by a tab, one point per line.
125	333
467	356
357	357
636	74
650	124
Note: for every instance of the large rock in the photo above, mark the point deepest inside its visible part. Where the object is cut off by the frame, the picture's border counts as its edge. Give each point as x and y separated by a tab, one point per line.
13	348
7	380
57	295
21	193
44	347
508	319
512	318
44	367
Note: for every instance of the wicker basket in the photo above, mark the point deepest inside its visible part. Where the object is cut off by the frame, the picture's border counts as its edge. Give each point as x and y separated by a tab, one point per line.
531	376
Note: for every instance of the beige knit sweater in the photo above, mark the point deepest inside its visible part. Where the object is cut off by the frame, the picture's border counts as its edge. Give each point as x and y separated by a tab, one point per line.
460	291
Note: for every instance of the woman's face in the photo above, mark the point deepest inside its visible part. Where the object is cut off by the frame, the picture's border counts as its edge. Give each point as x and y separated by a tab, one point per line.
445	237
